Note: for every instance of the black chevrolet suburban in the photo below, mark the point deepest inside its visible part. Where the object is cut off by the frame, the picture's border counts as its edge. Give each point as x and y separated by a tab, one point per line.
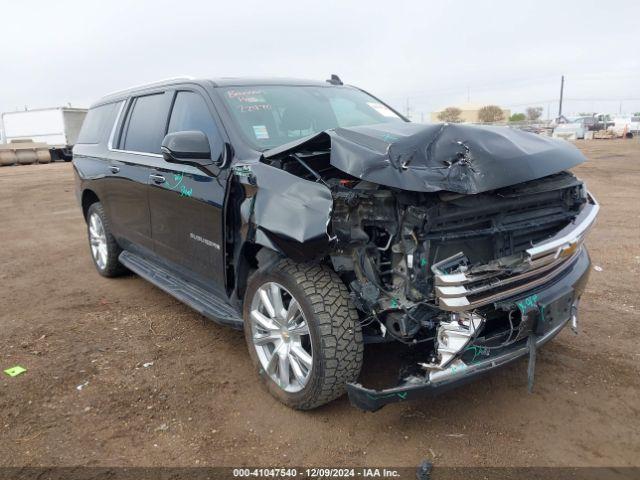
318	219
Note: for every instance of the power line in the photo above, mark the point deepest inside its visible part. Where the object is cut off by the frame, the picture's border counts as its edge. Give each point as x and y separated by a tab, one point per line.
461	90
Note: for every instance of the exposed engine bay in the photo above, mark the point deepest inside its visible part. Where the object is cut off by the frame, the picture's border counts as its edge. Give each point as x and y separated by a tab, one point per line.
391	247
390	244
467	251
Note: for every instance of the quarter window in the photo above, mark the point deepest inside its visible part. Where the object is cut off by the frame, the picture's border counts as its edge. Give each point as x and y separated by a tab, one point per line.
98	123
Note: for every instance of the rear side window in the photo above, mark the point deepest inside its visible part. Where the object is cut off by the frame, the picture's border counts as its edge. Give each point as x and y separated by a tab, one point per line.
190	112
146	123
98	123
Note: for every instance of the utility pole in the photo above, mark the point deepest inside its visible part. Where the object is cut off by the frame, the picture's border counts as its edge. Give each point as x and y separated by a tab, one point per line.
408	110
561	93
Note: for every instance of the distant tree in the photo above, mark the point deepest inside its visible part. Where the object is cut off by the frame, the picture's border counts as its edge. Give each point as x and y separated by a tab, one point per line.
533	113
490	113
450	114
637	114
517	117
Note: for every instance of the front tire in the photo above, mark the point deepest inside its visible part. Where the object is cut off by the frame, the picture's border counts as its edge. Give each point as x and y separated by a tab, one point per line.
303	333
102	245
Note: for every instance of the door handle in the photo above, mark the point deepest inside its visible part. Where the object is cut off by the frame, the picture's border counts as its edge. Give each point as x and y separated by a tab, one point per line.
114	169
157	178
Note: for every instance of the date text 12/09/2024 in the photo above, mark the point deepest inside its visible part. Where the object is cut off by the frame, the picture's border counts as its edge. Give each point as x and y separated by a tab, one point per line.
314	473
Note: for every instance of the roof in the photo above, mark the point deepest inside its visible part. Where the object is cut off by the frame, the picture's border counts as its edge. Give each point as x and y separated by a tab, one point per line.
249	81
214	82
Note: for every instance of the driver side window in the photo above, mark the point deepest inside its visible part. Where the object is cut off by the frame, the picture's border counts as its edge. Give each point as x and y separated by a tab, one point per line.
190	112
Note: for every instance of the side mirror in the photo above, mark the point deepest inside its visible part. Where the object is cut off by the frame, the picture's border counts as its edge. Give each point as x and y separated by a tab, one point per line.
189	147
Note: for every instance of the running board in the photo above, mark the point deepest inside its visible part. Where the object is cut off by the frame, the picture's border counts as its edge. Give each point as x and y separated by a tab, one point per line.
203	302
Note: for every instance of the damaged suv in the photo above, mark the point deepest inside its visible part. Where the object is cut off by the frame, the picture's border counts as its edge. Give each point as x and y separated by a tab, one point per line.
318	219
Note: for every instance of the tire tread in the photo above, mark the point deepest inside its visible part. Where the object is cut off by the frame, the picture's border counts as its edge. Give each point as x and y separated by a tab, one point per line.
114	267
341	335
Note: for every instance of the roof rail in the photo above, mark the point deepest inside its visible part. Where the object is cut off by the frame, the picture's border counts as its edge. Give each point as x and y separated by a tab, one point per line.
151	84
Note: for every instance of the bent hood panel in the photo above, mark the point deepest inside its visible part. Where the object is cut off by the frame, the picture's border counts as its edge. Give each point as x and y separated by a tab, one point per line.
428	158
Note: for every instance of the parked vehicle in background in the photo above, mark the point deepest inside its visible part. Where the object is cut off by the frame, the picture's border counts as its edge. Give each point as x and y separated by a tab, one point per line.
537	128
602	122
318	219
39	135
575	128
628	125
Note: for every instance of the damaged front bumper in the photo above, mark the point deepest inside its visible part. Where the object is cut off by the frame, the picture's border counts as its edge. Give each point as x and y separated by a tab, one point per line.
556	300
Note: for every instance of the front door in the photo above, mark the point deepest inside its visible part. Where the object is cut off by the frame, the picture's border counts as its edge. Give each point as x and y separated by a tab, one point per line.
186	204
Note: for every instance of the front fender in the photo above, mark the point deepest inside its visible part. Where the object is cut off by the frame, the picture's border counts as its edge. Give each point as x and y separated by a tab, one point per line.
286	213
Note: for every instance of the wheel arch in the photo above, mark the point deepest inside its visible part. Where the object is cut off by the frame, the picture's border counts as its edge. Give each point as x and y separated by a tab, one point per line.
251	257
89	197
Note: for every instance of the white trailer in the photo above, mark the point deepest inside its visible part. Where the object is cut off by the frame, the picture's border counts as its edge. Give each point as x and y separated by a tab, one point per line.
52	129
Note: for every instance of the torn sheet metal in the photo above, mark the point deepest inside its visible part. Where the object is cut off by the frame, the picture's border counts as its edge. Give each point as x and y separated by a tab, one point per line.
290	214
459	158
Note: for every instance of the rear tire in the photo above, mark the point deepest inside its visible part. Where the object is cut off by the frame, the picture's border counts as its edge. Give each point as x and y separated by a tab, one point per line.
326	326
102	245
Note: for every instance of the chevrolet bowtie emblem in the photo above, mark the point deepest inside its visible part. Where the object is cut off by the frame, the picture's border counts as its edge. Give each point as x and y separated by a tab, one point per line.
568	250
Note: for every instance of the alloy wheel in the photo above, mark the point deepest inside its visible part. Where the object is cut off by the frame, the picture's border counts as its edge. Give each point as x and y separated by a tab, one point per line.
280	335
98	240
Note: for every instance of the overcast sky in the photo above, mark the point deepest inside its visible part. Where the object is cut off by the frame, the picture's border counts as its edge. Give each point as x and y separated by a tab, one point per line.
433	53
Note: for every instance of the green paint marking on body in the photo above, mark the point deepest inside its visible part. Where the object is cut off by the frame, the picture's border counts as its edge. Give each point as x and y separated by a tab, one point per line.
478	352
242	170
387	137
176	178
528	303
185	192
402	395
458	368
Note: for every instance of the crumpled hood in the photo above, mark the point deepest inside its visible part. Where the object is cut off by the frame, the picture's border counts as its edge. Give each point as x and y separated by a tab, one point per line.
428	158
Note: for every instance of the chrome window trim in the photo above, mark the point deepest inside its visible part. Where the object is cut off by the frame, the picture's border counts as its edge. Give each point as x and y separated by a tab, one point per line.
132	152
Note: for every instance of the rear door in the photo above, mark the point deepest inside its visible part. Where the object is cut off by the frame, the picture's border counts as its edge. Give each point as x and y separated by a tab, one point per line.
186	204
134	154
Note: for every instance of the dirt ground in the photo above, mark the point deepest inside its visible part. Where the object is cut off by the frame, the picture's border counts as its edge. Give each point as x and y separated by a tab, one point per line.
88	399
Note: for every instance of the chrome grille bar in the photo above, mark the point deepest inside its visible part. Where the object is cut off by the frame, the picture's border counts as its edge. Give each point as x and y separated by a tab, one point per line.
540	264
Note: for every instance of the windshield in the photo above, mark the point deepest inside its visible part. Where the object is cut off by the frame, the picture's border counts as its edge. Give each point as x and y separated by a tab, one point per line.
270	116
